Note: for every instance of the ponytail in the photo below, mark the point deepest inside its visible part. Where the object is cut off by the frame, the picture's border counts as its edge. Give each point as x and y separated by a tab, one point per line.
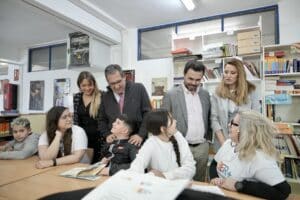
176	149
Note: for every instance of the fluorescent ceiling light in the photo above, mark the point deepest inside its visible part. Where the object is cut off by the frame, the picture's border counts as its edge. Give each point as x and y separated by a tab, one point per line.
189	4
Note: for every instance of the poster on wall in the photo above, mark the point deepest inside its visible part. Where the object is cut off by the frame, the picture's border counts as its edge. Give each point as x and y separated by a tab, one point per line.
36	99
159	86
130	75
61	91
16	74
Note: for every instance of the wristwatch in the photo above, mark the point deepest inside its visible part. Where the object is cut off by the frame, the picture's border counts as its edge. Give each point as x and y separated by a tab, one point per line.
239	186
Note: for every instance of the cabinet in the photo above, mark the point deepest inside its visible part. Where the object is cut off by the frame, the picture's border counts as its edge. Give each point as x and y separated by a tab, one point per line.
79	49
282	103
5	128
87	53
215	49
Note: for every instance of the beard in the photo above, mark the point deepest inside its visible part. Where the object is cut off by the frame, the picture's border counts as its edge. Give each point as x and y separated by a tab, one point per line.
190	87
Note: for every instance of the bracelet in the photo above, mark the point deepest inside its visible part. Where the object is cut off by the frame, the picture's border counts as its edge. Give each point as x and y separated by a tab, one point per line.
54	161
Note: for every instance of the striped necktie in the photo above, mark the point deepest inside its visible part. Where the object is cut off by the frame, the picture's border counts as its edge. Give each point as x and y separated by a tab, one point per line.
121	102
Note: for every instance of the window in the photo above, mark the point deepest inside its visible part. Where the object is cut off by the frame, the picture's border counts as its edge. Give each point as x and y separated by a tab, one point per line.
243	21
48	58
156	42
59	57
205	27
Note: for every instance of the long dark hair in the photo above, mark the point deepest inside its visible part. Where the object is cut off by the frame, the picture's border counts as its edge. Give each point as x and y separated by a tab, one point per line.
159	118
52	119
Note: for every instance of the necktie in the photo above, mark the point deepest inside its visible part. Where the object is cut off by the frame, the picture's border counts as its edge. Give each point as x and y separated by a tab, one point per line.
121	102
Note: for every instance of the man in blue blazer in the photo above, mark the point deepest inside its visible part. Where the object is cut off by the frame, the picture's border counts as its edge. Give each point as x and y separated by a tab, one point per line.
190	106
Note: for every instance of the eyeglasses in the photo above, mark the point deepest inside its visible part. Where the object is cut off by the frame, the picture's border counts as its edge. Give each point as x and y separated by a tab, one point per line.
64	117
232	123
116	82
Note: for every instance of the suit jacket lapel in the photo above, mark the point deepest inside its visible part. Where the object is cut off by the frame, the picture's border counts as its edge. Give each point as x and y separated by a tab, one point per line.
182	103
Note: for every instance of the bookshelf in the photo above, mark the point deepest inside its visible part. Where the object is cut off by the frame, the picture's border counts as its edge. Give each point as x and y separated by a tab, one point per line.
156	102
5	129
215	49
281	71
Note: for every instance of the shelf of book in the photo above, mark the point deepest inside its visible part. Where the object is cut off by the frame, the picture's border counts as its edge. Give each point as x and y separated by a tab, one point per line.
289	123
156	101
5	127
291	180
281	104
215	50
288	147
283	74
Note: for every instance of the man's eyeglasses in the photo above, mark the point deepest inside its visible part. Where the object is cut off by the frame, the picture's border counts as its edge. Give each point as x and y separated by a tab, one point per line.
232	123
115	83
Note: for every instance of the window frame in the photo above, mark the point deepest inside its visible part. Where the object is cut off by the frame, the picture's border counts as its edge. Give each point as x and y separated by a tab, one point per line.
49	47
222	16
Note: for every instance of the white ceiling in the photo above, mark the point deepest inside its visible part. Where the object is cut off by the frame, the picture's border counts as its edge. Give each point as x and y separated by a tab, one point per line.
24	25
145	13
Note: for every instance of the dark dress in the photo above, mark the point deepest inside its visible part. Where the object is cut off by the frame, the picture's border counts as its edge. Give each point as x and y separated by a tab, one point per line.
83	119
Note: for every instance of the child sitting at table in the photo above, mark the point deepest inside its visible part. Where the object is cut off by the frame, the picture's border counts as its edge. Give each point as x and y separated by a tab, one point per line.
120	153
24	143
166	153
62	143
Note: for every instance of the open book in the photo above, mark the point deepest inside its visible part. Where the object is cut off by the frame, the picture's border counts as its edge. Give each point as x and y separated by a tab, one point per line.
127	185
89	173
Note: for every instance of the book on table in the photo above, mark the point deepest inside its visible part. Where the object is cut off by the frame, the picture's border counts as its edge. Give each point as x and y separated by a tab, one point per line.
88	173
128	185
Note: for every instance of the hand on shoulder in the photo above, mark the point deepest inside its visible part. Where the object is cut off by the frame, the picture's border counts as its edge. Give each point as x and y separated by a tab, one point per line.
136	140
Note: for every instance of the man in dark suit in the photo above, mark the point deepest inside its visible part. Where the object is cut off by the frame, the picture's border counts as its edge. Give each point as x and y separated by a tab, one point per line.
123	97
190	106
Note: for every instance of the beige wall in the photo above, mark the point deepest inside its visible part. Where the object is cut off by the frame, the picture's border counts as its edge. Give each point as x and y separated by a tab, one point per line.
37	122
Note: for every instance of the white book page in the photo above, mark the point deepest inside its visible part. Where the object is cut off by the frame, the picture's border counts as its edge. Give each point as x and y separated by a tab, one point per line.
127	185
205	188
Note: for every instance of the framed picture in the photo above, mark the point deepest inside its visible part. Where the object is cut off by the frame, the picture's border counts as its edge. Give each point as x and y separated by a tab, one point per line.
159	86
61	91
16	74
36	97
130	75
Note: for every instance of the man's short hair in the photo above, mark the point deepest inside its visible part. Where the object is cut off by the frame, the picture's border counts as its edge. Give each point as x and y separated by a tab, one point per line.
113	68
195	65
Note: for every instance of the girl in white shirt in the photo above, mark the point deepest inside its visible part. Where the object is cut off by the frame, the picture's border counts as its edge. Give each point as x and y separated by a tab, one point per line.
62	143
166	153
247	161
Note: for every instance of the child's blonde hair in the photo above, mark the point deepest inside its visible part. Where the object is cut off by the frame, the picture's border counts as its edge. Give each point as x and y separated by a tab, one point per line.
20	121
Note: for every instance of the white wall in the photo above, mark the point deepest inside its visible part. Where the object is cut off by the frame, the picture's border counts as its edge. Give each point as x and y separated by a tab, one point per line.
289	16
9	52
145	70
48	77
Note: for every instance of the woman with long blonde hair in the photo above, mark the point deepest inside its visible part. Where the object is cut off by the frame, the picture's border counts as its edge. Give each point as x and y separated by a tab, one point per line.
86	110
233	92
247	162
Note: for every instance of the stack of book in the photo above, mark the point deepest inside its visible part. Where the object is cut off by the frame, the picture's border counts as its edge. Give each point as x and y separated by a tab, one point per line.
181	52
291	168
